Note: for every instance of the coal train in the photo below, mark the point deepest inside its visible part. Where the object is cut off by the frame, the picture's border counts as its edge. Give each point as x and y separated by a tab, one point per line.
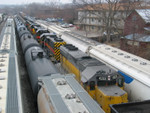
55	92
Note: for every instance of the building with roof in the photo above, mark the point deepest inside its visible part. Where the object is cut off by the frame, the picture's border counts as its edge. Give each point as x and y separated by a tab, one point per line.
138	44
99	18
91	18
136	38
138	22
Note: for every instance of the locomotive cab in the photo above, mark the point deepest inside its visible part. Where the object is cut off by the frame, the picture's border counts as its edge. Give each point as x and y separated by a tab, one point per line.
40	31
110	79
44	38
103	86
51	44
32	28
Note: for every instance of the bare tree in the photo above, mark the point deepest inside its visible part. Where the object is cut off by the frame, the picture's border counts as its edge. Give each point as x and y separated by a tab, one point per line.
109	12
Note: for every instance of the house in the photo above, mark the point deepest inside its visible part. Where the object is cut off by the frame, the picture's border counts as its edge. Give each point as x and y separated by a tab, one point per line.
136	38
101	17
137	22
92	18
138	44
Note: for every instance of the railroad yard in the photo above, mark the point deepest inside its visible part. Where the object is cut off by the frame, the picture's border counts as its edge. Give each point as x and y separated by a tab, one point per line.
51	69
75	56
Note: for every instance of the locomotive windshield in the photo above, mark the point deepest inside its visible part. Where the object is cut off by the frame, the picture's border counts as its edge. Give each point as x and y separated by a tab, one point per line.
105	79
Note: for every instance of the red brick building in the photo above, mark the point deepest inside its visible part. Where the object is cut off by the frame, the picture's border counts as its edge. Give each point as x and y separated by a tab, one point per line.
136	38
137	21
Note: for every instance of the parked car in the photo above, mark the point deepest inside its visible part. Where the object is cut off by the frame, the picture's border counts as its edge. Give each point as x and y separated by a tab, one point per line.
71	25
65	25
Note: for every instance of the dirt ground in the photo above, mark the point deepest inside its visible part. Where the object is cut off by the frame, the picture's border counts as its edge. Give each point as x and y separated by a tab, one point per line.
115	43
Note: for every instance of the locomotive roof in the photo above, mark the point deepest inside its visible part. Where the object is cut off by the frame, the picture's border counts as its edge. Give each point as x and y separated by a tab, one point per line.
89	61
41	29
48	34
55	39
67	96
81	59
34	24
90	72
73	53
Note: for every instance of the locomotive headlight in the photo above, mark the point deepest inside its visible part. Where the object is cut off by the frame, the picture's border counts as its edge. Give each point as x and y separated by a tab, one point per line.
100	78
114	77
108	77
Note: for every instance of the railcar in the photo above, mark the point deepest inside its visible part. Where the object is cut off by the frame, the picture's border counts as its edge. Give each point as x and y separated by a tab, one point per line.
51	44
63	94
10	87
132	107
33	27
20	27
28	23
39	32
35	58
38	65
103	83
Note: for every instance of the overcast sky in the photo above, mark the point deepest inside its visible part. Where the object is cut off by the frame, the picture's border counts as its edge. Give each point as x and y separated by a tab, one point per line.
29	1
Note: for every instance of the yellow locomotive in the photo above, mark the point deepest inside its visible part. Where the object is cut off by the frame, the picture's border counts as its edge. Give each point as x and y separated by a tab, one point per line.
103	83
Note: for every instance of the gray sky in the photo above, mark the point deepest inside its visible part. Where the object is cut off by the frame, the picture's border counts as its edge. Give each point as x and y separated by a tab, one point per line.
29	1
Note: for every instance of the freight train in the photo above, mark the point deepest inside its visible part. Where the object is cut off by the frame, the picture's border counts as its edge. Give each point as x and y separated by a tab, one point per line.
10	87
55	92
132	78
39	31
103	83
136	70
98	80
49	41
